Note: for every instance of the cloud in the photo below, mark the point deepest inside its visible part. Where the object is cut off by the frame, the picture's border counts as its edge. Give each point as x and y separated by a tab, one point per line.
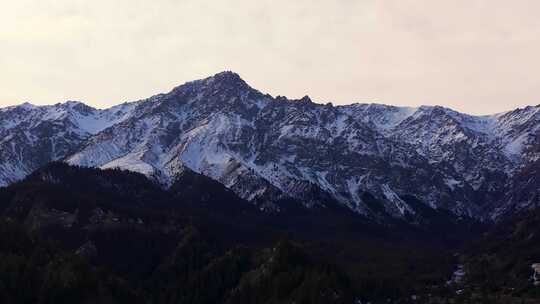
475	56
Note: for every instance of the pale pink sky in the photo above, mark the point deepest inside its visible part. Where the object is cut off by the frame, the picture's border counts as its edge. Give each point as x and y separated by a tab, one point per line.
475	56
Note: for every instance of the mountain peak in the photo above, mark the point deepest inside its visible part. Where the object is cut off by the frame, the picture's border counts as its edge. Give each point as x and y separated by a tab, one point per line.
305	99
27	105
227	74
72	102
227	78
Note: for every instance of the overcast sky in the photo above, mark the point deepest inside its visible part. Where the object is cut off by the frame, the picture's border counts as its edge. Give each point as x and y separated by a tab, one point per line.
475	56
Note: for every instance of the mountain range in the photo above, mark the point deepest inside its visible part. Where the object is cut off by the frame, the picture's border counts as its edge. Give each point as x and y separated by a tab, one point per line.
376	160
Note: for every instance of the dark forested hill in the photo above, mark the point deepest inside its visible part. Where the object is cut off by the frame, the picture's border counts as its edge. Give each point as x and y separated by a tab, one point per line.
72	234
500	262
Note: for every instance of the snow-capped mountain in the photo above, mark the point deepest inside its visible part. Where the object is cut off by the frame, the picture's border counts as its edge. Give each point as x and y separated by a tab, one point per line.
266	148
31	136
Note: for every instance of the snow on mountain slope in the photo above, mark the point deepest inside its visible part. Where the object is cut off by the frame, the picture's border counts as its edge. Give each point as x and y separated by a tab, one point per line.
383	117
517	130
261	146
267	148
34	135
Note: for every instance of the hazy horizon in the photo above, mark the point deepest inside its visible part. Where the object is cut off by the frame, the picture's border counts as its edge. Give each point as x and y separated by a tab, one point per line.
475	57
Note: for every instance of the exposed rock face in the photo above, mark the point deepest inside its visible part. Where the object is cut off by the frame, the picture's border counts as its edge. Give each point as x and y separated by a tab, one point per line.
536	273
266	148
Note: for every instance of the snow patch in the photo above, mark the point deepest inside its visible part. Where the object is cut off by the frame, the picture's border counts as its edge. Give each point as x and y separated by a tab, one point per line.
396	200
